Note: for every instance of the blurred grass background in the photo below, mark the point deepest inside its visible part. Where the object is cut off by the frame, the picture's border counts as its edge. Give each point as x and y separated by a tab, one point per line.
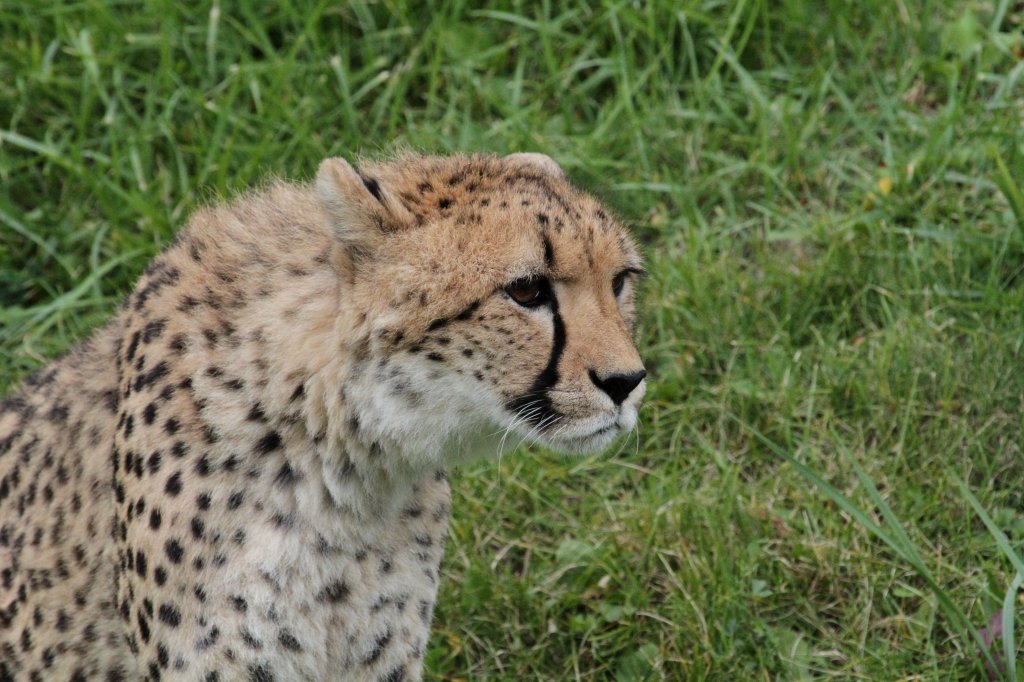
829	197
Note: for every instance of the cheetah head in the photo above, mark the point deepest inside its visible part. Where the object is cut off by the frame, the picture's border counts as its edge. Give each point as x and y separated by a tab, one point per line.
494	302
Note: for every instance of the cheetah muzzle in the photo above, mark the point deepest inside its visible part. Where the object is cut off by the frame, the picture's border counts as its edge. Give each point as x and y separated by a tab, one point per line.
242	475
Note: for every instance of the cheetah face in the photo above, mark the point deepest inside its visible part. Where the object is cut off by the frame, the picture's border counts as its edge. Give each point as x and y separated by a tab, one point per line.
510	306
588	391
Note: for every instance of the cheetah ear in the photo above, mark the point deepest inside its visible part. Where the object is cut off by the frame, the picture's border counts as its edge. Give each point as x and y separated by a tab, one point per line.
540	162
359	209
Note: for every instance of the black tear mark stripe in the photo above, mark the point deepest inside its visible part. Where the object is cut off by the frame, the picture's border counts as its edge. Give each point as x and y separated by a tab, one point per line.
536	404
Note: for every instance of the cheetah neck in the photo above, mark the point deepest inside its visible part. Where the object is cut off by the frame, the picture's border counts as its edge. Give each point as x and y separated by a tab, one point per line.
321	388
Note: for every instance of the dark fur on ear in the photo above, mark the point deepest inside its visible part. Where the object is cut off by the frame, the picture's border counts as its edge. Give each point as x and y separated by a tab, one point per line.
360	210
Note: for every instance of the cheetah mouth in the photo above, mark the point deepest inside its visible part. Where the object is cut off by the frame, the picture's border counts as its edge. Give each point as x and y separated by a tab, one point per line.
602	431
590	441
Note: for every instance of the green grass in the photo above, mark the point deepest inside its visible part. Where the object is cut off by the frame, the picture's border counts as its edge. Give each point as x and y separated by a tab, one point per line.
831	197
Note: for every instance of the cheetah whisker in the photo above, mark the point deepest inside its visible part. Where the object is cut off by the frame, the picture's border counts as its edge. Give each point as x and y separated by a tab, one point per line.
524	414
547	421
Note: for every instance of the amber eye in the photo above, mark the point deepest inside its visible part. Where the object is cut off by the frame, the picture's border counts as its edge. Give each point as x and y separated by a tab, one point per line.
530	292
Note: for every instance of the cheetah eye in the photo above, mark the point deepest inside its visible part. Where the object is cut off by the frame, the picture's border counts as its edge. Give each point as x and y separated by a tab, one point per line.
530	292
619	281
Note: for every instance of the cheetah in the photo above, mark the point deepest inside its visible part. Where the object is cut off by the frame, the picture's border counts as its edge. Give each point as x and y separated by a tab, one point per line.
243	475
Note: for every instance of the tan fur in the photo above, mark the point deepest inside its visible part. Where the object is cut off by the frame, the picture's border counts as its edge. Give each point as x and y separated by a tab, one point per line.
242	475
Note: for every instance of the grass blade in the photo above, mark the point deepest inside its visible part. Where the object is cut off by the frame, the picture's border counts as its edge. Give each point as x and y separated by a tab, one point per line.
997	534
1004	180
1009	638
1009	605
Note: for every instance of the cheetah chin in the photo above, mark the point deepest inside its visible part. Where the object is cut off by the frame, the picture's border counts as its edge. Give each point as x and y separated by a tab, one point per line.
242	476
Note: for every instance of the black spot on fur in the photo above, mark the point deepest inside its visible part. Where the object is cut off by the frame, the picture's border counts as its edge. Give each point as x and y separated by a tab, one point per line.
160	276
169	614
250	639
140	564
286	475
162	655
270	442
334	593
146	379
133	345
205	643
178	343
260	673
143	626
396	674
153	330
174	551
203	466
210	434
379	645
173	486
288	641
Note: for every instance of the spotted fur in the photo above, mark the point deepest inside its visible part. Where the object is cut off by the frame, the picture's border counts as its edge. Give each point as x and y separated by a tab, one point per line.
242	475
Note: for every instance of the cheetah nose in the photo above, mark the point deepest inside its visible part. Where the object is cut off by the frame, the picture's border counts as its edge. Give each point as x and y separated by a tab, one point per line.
618	386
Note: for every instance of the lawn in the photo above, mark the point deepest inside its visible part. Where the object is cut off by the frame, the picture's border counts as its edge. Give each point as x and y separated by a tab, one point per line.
831	200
